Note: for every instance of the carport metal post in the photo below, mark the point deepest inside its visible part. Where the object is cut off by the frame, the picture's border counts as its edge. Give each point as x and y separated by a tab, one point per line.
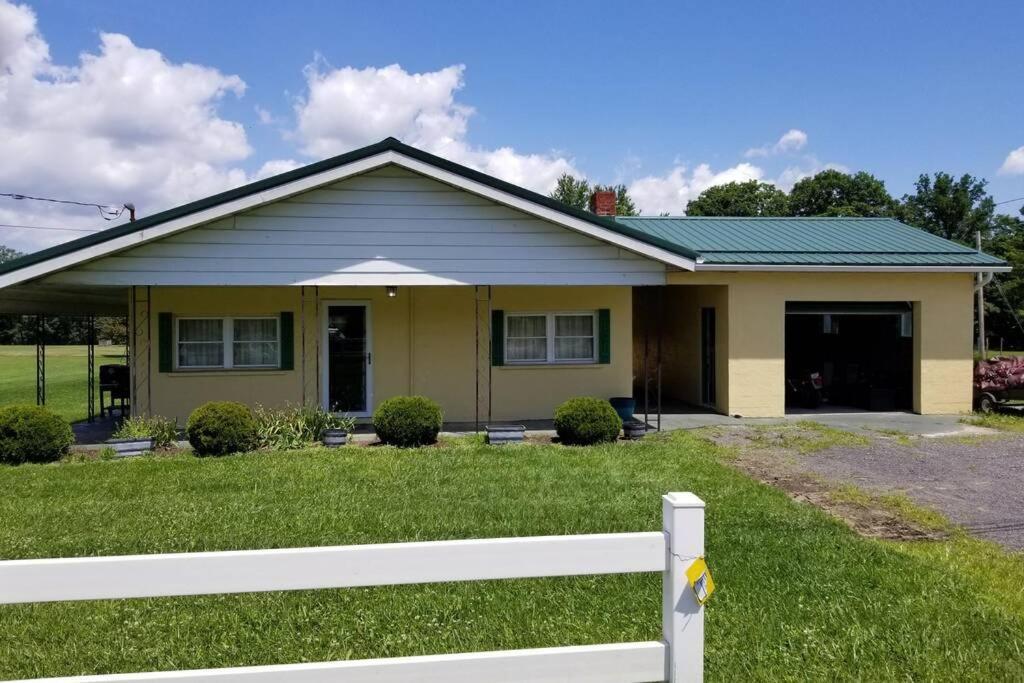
91	369
40	361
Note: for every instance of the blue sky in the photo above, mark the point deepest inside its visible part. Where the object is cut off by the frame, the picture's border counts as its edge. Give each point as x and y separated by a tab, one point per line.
619	91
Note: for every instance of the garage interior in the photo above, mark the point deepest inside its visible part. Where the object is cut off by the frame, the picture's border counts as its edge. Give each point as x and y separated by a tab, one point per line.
862	353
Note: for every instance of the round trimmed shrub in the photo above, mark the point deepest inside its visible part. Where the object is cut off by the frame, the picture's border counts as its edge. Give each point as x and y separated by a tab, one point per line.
407	421
221	427
33	434
584	421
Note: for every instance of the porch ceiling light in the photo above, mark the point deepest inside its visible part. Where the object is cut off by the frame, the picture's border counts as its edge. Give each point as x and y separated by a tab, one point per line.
392	291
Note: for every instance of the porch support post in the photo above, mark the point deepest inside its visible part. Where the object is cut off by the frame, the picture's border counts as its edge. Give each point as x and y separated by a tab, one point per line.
91	369
482	337
40	360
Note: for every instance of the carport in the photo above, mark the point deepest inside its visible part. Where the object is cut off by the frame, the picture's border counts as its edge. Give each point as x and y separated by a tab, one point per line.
862	354
38	302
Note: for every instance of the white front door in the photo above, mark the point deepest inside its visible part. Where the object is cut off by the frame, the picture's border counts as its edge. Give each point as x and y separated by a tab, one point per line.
346	357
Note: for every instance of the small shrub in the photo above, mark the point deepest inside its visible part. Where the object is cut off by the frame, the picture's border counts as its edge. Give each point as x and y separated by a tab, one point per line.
407	421
584	421
298	426
107	453
163	430
33	434
221	427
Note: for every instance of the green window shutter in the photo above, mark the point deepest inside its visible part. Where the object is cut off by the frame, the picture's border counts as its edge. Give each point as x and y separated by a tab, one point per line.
165	341
604	336
497	337
287	340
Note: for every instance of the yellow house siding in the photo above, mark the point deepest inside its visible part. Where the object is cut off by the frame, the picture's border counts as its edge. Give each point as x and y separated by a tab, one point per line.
176	394
756	331
524	392
423	342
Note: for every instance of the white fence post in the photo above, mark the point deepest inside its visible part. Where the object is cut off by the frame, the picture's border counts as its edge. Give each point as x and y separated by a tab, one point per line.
682	614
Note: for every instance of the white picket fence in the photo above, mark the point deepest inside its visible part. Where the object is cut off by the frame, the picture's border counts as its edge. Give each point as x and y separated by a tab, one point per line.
678	657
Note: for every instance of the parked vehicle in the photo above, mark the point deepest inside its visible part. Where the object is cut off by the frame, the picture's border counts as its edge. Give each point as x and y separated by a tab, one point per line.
805	390
998	381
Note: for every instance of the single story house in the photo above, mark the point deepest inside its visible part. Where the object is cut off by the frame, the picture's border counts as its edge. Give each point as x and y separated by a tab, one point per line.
389	271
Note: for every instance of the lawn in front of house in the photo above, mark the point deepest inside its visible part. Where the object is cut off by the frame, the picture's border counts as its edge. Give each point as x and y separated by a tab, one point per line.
800	596
66	376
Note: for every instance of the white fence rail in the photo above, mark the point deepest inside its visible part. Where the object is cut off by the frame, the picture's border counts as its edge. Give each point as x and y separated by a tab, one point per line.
678	657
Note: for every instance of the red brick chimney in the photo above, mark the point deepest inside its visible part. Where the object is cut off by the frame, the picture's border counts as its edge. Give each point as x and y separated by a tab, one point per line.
602	203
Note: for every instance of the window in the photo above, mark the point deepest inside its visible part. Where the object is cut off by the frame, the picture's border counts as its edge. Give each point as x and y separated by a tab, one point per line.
550	338
214	343
254	343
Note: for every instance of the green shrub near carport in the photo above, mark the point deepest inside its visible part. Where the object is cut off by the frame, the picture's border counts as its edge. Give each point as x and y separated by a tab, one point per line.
33	434
222	427
408	421
584	421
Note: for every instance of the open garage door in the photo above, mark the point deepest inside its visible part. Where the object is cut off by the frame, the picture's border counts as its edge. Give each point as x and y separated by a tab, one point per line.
849	356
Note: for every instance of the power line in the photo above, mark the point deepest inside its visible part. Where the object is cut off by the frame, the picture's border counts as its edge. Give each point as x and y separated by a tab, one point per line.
46	227
107	211
1008	201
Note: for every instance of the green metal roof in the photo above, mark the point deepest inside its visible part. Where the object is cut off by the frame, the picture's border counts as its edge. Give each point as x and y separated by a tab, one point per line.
809	241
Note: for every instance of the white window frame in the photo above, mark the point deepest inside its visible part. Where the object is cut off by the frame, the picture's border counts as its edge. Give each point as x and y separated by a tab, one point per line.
549	331
228	341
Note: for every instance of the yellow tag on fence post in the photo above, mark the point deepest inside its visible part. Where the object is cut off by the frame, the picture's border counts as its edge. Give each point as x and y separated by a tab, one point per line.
699	577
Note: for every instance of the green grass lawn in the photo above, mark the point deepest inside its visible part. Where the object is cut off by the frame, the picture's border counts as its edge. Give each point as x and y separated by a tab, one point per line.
66	376
800	596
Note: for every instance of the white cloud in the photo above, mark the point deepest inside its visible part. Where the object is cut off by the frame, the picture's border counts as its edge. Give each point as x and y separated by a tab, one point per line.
791	175
793	140
124	124
276	166
1014	163
347	108
671	192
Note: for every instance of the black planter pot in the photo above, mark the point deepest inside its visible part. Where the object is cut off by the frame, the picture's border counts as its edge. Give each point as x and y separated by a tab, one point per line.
499	434
633	430
334	438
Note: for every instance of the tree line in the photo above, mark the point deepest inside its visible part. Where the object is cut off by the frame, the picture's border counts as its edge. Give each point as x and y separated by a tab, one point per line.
956	208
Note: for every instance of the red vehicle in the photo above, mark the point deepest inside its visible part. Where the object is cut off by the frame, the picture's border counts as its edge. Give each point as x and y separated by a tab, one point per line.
998	381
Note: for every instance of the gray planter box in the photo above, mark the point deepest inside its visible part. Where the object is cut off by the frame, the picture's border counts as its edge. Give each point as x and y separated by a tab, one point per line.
125	448
333	438
633	430
499	434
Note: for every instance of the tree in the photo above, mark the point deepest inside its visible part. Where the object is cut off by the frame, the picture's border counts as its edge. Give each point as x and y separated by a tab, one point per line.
950	208
576	193
572	191
751	198
1004	298
834	193
8	254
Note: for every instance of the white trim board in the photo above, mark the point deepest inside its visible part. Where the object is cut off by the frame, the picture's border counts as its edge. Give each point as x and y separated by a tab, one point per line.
724	267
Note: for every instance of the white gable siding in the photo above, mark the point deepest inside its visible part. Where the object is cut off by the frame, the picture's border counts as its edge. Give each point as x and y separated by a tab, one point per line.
386	227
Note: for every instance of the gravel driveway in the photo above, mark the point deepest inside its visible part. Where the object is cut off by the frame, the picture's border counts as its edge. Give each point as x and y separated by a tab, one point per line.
977	483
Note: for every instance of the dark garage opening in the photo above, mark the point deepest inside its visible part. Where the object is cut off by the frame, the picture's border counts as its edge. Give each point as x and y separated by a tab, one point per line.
862	353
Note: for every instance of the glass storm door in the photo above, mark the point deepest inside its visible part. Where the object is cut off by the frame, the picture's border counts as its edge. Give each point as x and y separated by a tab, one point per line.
348	358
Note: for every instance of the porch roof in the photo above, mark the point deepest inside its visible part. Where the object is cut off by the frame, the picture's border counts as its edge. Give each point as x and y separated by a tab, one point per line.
818	241
38	299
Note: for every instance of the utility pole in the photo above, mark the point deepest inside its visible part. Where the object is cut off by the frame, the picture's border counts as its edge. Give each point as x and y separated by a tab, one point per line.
980	287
